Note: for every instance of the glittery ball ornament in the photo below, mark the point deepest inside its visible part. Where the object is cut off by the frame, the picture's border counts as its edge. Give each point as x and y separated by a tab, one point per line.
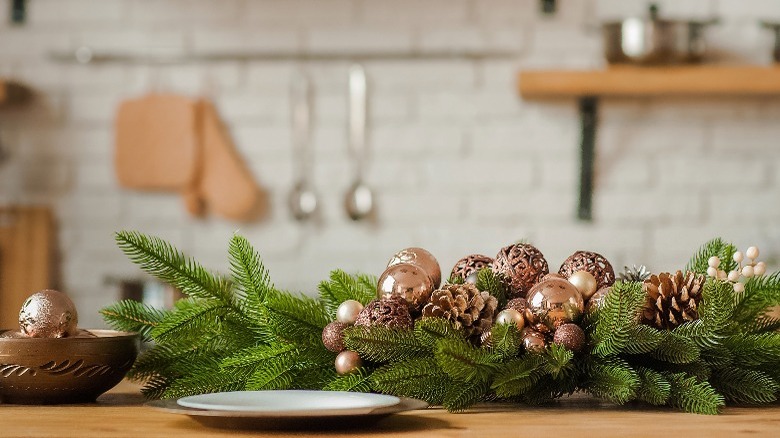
408	282
48	314
522	266
533	341
391	313
594	263
570	336
553	302
333	336
519	304
470	265
419	257
348	362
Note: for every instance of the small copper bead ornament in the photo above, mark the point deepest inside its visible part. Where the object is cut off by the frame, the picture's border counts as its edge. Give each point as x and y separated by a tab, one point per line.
388	312
348	362
333	336
419	257
348	311
585	282
48	314
510	316
590	261
570	336
471	264
522	265
555	301
408	282
533	341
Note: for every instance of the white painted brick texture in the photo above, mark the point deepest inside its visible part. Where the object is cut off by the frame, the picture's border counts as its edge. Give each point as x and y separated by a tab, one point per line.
460	164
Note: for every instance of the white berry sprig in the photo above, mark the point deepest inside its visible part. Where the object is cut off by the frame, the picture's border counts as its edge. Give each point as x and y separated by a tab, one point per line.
750	269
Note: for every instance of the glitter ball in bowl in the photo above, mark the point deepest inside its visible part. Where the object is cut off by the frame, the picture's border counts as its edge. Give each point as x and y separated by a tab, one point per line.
48	314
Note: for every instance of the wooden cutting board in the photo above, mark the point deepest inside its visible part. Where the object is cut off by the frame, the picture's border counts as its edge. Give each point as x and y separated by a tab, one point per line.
27	258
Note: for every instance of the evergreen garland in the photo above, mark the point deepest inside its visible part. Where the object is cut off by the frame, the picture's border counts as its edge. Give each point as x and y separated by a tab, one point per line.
241	333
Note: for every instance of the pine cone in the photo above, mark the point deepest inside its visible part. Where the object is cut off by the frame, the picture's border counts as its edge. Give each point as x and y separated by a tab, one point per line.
464	305
672	299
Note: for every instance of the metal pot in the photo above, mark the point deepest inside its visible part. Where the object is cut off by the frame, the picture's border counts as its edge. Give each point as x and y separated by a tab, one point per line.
652	40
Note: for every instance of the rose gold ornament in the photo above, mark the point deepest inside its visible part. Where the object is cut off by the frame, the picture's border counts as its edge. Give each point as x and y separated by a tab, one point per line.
533	341
469	265
408	282
48	314
347	362
593	262
554	302
585	282
348	311
570	336
597	299
511	316
333	336
519	304
419	257
388	312
522	265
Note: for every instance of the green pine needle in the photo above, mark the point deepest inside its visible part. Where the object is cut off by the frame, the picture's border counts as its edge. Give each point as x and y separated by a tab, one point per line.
518	375
489	281
359	381
382	344
132	316
692	395
342	287
505	340
715	247
653	387
612	379
616	318
745	386
252	280
191	317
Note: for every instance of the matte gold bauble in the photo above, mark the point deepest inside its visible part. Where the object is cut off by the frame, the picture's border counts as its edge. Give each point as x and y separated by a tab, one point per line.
554	302
48	314
522	266
348	311
585	282
511	316
421	258
533	341
408	282
348	362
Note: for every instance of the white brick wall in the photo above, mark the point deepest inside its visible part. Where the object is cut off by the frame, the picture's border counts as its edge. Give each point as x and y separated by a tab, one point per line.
460	164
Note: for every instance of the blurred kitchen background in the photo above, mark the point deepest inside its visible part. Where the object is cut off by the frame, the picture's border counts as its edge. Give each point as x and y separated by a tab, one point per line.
459	162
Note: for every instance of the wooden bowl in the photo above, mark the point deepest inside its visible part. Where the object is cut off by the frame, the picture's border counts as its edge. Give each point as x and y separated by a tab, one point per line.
64	370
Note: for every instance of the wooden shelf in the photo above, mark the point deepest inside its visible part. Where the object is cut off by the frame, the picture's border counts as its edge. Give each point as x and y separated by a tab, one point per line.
625	81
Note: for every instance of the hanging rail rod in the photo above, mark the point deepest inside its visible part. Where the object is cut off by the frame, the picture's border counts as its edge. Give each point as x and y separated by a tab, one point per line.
86	55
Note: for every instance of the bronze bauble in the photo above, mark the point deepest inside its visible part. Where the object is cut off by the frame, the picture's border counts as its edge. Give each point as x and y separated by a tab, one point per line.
554	302
469	265
593	262
348	362
585	282
48	314
533	341
510	316
522	266
570	336
597	299
421	258
408	282
391	313
333	336
519	304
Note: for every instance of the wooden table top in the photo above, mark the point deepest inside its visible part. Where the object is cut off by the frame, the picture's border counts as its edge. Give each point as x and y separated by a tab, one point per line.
120	413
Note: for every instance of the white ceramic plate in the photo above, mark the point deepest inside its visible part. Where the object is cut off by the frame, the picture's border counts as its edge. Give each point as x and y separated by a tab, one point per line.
291	402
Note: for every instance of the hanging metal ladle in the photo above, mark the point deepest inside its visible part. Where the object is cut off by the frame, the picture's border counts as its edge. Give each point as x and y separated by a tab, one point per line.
359	200
303	199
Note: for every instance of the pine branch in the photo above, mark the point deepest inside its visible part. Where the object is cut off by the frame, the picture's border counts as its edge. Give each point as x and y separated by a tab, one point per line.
251	278
755	349
761	293
429	330
505	340
343	287
192	318
642	339
715	247
616	318
359	381
489	281
132	316
205	381
558	361
382	344
694	396
417	378
700	332
745	386
257	356
276	373
160	259
612	379
296	319
716	309
460	397
463	362
676	349
515	377
653	387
